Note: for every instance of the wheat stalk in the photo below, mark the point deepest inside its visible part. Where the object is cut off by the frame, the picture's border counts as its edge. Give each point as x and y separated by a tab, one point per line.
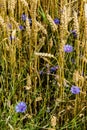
14	22
3	4
53	25
28	29
2	22
41	27
24	3
76	23
11	6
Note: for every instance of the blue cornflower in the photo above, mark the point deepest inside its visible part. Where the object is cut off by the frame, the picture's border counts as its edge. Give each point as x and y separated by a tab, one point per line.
21	27
23	17
75	90
53	69
56	21
74	33
21	107
68	48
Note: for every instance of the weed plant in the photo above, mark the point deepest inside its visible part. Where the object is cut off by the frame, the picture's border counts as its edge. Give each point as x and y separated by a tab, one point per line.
43	65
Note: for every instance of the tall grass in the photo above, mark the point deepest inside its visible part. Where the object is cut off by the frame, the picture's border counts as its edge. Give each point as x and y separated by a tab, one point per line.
35	69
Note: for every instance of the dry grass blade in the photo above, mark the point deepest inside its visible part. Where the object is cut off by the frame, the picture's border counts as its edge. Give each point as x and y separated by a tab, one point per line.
38	99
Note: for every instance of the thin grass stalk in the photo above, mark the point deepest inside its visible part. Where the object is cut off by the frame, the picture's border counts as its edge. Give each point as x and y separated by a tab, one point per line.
63	28
3	7
61	56
33	44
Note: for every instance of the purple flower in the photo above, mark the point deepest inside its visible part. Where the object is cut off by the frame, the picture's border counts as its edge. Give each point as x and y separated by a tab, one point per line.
21	107
21	27
74	33
68	48
53	69
56	21
75	90
23	17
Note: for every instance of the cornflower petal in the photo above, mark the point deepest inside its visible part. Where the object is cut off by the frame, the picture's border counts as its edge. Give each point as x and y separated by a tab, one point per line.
74	33
23	17
68	48
53	69
21	27
21	107
56	21
75	89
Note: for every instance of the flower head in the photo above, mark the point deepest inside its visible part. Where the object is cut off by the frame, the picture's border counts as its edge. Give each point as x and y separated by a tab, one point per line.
21	27
23	17
68	48
56	21
75	89
74	33
21	107
53	69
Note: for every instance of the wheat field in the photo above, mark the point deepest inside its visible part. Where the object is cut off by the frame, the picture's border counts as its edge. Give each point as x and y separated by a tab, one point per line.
43	64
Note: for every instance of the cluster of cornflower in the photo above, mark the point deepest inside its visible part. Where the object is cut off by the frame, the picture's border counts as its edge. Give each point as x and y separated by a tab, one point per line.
24	17
68	49
21	106
21	27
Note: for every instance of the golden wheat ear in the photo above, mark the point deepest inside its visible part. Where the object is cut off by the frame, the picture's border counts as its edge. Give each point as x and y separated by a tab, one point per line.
52	24
44	54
